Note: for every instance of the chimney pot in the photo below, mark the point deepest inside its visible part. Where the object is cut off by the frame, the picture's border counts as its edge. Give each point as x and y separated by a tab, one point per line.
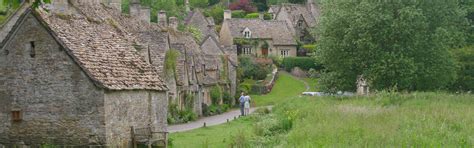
227	14
162	18
174	23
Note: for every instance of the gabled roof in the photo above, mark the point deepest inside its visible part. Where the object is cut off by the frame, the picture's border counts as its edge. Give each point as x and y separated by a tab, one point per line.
264	29
294	11
103	52
205	25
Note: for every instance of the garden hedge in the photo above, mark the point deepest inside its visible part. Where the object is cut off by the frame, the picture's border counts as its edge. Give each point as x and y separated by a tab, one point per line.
304	63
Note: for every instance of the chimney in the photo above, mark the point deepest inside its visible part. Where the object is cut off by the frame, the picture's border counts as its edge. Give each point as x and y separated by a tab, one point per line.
134	9
186	4
261	16
61	6
174	23
227	14
145	13
162	18
116	4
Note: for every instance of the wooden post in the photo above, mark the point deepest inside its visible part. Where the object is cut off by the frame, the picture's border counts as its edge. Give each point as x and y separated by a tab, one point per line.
204	124
227	120
132	133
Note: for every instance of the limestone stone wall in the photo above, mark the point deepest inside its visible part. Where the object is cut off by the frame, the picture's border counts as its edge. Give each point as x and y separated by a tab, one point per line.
137	108
57	101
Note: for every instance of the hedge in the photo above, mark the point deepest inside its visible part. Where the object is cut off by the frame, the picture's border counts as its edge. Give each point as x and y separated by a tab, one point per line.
304	63
238	14
266	16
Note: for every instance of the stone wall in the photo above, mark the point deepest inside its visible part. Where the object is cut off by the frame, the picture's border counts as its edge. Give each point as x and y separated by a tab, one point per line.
58	102
124	109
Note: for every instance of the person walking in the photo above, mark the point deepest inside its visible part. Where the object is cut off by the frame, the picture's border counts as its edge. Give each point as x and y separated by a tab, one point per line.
247	105
242	103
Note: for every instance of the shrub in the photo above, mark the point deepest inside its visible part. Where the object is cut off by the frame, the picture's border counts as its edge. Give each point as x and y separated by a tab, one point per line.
252	15
304	63
227	98
238	14
465	74
216	94
252	70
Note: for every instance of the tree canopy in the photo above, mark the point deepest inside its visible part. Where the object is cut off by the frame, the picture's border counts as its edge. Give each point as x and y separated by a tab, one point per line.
395	44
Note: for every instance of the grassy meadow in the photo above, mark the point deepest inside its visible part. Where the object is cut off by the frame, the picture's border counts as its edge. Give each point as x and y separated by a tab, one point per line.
421	119
416	119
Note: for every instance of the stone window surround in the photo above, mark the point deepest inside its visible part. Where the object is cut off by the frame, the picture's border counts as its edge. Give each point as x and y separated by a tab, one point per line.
284	52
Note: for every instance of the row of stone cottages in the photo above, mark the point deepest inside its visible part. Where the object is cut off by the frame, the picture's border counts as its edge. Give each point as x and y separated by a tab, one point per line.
81	73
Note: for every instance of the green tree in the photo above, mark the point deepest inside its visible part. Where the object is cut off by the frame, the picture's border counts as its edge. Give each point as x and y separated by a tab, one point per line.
396	44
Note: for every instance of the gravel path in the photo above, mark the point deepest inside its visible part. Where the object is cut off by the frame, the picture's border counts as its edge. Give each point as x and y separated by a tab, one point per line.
210	121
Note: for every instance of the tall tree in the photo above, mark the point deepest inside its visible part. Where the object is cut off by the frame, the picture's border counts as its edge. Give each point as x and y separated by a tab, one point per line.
397	44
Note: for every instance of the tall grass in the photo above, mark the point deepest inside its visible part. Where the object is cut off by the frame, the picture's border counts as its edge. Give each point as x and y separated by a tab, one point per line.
417	119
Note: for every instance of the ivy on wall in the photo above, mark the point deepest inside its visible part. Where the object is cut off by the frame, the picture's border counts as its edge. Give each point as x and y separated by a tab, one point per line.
170	61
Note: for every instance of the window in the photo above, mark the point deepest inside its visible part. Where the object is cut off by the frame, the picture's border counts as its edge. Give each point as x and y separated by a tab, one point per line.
192	73
300	23
247	34
32	49
285	53
204	69
247	50
16	115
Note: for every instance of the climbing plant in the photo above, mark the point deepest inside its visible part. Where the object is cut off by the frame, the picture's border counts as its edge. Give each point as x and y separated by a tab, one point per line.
197	34
170	61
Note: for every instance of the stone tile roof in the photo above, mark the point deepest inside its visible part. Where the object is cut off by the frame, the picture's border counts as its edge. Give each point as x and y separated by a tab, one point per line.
102	49
264	29
296	10
198	20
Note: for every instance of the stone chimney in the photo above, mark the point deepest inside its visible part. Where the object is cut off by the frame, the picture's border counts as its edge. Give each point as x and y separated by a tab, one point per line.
61	6
145	13
116	4
162	18
261	16
186	4
227	14
134	8
174	23
139	11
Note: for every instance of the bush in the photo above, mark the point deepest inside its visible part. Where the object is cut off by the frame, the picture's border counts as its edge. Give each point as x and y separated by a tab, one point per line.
465	74
304	63
252	70
180	116
216	94
238	14
252	15
227	98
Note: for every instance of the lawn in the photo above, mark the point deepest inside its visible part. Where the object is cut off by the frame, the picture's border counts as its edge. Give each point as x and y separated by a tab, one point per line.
286	88
215	136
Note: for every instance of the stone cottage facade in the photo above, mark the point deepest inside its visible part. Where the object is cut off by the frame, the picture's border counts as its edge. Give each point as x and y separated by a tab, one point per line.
257	37
75	76
300	17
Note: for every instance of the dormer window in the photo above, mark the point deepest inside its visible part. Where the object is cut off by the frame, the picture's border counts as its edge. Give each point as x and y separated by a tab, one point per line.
247	33
300	23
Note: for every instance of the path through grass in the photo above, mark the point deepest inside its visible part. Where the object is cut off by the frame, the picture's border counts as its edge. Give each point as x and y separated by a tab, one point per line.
286	87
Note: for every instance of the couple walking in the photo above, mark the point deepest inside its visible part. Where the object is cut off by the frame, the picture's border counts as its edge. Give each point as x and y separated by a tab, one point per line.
244	104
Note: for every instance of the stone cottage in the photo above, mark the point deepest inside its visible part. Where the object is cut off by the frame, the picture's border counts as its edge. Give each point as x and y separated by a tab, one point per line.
257	37
74	76
300	17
